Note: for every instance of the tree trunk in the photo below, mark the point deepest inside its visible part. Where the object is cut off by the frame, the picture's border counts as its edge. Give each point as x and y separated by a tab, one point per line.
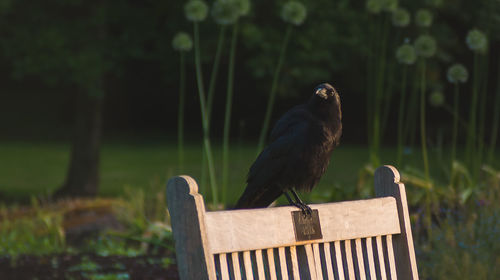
82	178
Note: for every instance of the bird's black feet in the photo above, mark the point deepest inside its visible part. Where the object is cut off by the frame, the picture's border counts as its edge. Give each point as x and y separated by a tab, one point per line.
306	210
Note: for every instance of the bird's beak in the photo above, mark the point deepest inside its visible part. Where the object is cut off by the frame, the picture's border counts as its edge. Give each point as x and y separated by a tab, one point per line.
322	93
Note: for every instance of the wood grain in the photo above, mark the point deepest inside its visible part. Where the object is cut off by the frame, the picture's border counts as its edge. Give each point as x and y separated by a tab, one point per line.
387	184
236	230
187	215
200	236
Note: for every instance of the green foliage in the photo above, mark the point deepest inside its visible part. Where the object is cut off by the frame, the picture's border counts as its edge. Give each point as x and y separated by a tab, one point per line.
42	233
465	244
110	276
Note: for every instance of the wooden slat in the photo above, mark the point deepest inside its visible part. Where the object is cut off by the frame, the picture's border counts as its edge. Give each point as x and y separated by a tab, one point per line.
390	254
260	264
284	272
248	265
338	259
387	183
381	262
361	263
223	267
270	262
310	261
236	266
235	230
350	265
371	263
328	260
295	263
317	261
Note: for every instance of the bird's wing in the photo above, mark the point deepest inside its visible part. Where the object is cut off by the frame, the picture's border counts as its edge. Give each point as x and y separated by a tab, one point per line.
291	120
288	140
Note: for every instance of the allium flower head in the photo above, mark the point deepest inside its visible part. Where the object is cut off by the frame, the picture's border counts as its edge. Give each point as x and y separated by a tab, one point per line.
294	12
436	98
196	10
243	6
405	54
477	41
400	17
435	3
225	11
425	46
182	42
423	18
457	73
376	6
389	5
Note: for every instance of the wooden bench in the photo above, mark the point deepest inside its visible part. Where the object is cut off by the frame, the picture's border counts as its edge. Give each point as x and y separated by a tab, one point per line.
363	239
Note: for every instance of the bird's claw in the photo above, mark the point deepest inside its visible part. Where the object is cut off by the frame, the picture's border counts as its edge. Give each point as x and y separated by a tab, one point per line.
306	210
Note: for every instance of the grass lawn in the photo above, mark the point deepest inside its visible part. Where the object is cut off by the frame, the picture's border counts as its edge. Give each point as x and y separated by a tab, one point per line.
32	169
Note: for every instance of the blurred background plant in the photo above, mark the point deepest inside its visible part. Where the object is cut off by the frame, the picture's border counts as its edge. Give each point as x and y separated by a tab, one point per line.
394	56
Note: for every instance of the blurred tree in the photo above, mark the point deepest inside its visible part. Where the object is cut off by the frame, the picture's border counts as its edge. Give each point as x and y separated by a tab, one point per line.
81	45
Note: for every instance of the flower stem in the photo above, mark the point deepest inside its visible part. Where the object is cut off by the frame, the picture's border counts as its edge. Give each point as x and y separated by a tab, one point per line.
272	95
402	102
210	98
483	94
180	117
213	76
227	117
496	119
379	96
470	149
455	124
411	122
204	121
423	136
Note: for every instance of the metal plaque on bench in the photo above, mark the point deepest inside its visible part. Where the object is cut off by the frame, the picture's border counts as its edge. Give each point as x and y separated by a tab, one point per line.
306	227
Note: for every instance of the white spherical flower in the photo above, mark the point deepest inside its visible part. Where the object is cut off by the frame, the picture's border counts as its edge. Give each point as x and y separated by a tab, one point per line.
425	46
457	73
182	42
294	12
423	18
400	17
406	54
225	11
436	98
477	41
196	10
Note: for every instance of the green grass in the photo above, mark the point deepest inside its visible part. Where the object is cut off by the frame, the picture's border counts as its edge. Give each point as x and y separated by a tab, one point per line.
33	169
29	168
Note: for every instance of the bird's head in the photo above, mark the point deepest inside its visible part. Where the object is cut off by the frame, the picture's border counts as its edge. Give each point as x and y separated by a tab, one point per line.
326	101
325	91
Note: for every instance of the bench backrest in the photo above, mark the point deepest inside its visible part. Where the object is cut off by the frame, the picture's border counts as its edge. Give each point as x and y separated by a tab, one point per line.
363	239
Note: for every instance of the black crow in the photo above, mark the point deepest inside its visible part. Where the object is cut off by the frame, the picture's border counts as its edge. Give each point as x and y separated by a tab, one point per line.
299	151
